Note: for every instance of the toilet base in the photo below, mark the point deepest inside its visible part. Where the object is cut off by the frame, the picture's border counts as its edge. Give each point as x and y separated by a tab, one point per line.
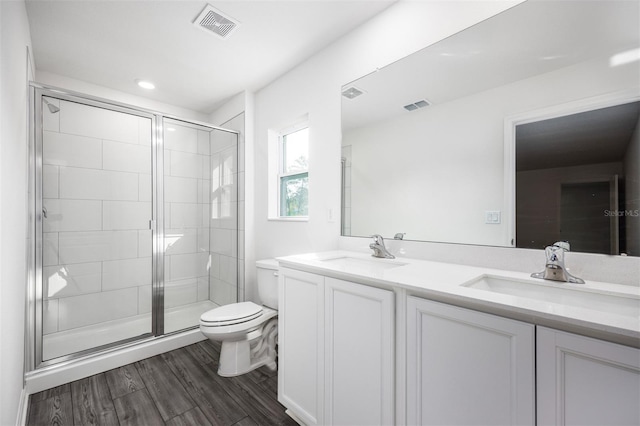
240	357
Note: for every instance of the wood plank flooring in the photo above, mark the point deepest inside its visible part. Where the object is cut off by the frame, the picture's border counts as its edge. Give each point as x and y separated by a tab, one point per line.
178	388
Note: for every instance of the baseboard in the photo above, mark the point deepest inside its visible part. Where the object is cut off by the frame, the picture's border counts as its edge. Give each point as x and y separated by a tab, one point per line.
59	374
23	406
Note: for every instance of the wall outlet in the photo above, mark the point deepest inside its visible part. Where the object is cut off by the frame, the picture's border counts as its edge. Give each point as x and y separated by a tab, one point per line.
331	215
492	217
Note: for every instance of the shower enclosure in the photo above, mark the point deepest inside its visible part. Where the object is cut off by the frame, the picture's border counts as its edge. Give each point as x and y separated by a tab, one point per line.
133	224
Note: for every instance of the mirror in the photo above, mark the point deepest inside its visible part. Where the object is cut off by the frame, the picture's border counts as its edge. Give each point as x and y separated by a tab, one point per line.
429	143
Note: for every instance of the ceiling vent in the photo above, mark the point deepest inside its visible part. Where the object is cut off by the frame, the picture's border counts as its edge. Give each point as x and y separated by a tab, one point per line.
417	105
352	92
215	22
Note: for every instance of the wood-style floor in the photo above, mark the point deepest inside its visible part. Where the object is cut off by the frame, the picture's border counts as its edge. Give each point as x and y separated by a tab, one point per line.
177	388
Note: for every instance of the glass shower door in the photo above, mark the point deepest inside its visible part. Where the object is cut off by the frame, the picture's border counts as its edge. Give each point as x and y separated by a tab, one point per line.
95	256
200	221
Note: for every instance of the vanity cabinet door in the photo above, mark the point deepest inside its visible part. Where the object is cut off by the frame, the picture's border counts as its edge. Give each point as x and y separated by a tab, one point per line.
359	354
467	367
585	381
300	344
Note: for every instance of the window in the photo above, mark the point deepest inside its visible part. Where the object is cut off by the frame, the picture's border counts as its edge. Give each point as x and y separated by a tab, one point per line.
293	176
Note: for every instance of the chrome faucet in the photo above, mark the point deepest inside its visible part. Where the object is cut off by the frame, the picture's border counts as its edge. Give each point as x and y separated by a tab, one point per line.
554	268
379	250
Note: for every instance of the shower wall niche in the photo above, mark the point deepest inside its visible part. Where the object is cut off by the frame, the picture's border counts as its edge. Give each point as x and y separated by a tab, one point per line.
135	224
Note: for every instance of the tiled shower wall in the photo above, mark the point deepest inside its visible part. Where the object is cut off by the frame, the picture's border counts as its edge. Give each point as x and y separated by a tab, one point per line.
97	194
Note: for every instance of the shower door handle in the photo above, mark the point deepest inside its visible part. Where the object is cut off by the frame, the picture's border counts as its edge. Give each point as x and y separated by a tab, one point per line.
44	212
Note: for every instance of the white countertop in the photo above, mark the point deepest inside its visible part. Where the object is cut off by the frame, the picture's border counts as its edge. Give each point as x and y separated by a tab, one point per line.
445	282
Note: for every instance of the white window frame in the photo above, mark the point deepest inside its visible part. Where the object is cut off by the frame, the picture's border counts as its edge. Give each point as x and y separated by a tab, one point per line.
281	165
275	166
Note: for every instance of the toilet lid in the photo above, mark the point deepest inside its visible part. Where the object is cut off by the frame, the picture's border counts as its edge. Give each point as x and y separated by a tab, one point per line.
231	314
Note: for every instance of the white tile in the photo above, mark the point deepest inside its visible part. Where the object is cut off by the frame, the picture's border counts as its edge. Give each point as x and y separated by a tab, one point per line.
180	190
204	216
182	292
72	215
205	164
125	157
167	215
203	239
240	244
204	191
89	184
241	189
222	293
229	164
229	269
78	311
180	241
224	215
214	265
144	299
215	172
120	215
144	131
182	138
49	316
71	280
144	187
184	215
186	164
221	140
62	149
79	247
49	181
50	249
204	147
98	123
145	243
185	266
203	289
126	273
50	120
220	241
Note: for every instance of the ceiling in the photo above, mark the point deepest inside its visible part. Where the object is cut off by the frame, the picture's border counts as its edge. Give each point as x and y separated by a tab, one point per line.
112	43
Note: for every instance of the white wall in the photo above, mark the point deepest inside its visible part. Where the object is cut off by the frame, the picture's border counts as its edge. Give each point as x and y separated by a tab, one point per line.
632	192
14	38
433	173
313	88
63	82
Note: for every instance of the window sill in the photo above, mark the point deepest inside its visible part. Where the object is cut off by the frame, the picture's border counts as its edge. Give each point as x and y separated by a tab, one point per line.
289	219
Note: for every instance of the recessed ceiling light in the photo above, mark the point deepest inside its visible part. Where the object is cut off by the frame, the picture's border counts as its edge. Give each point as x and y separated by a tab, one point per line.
145	84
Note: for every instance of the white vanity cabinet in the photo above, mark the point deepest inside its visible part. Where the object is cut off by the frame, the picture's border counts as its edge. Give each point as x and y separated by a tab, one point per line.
336	350
467	367
585	381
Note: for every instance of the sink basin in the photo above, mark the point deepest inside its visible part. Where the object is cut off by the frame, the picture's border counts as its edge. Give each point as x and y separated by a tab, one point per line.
625	304
362	265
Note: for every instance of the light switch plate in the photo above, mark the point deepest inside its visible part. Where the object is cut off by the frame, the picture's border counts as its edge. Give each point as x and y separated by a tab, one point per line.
492	217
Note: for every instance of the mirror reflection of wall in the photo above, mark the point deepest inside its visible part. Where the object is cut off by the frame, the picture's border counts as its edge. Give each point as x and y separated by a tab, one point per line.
578	179
440	172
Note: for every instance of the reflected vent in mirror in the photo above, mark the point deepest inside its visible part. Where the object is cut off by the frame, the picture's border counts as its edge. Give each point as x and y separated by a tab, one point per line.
215	22
417	105
352	92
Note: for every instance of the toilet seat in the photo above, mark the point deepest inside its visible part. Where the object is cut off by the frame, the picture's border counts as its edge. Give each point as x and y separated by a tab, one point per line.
235	313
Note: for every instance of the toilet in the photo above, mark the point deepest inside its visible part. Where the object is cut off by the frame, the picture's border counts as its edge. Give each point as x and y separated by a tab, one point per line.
248	331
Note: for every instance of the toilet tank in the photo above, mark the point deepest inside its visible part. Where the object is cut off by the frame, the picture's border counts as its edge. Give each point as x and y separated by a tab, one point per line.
267	278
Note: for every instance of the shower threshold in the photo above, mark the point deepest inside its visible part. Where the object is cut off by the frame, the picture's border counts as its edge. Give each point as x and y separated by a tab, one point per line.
92	336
